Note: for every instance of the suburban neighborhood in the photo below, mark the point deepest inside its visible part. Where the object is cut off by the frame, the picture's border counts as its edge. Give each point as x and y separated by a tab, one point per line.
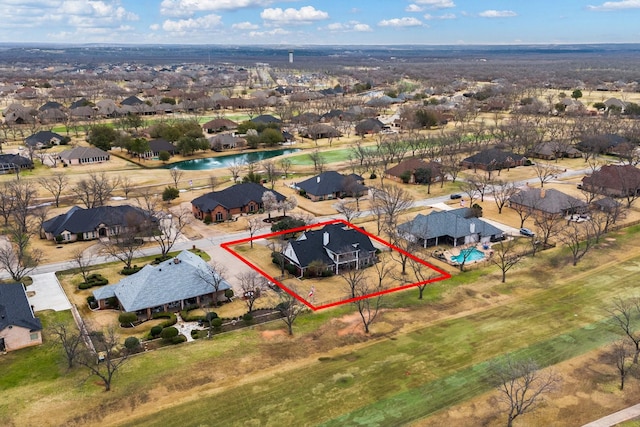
175	233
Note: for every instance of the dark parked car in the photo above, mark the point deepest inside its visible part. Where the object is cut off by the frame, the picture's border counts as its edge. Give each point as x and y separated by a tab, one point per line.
455	196
527	232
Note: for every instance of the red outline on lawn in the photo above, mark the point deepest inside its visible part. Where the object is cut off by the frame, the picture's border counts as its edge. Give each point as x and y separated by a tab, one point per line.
227	246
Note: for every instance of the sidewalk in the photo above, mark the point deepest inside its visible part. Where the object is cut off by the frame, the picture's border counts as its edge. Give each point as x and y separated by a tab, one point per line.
616	418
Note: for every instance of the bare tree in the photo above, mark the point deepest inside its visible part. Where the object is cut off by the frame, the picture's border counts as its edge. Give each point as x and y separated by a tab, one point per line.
318	160
290	308
6	203
620	353
366	298
579	238
250	286
270	171
505	256
422	274
127	185
502	192
16	257
69	338
625	314
269	203
235	168
285	165
348	209
108	361
394	201
123	244
254	225
95	190
23	194
545	172
213	182
83	262
522	386
524	212
214	276
55	184
547	226
470	188
168	228
176	176
288	204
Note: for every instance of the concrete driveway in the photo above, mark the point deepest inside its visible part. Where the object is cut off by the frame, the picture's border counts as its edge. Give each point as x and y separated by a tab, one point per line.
48	293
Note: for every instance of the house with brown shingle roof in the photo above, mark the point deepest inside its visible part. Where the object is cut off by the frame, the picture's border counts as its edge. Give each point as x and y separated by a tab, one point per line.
219	125
408	167
614	181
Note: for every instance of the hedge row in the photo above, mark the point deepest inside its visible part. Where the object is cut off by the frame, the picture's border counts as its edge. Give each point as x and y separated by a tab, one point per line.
93	280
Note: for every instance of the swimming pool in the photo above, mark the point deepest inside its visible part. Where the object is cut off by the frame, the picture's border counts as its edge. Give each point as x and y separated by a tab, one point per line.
467	255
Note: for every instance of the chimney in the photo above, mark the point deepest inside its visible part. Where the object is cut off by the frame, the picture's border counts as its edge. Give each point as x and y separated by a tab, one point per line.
542	193
472	228
318	179
325	238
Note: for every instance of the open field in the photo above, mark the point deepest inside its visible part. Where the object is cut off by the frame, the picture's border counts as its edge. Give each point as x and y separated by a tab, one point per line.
413	366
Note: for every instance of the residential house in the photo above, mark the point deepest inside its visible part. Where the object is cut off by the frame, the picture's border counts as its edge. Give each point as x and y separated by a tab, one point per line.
615	104
225	141
405	171
334	247
132	101
321	130
172	285
94	223
19	327
238	199
455	227
266	119
613	181
44	138
13	163
332	185
369	126
494	159
603	143
553	150
548	202
219	125
158	145
83	156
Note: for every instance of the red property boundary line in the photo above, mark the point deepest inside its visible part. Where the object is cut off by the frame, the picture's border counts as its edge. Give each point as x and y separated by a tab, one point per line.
228	247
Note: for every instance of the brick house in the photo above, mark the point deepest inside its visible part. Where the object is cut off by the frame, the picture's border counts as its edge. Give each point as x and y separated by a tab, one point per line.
238	199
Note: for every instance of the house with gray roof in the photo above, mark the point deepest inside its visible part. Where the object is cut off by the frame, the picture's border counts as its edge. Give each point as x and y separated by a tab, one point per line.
238	199
455	227
89	224
334	247
14	163
543	201
493	159
83	156
169	286
19	327
331	185
44	138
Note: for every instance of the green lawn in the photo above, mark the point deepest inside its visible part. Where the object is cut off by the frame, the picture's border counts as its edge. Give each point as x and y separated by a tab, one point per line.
332	156
405	378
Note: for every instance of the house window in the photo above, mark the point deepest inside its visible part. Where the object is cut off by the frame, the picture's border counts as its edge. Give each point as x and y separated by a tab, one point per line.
219	216
252	208
34	336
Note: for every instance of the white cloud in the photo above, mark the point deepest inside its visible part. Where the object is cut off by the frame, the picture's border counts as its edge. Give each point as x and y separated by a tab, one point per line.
182	26
304	15
616	5
154	27
274	32
351	26
245	26
400	22
436	4
189	7
429	17
413	8
498	14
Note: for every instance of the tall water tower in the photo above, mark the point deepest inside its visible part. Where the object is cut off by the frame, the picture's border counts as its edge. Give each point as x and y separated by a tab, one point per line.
290	57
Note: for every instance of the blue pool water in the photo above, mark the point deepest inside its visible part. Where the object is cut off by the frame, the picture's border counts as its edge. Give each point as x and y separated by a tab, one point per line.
471	254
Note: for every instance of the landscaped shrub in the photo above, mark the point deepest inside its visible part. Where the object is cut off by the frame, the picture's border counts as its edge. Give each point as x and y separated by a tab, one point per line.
112	302
228	293
216	323
93	280
169	333
126	319
291	269
191	318
160	259
155	330
373	176
91	300
172	319
248	318
132	343
129	271
195	334
179	339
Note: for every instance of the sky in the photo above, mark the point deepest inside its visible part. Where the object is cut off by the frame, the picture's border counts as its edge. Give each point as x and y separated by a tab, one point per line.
320	22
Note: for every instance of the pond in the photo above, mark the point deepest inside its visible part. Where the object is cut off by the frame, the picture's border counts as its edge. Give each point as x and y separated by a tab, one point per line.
228	160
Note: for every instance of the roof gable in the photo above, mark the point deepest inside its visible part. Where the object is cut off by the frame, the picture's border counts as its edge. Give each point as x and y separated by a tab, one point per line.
78	220
15	309
236	196
447	223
